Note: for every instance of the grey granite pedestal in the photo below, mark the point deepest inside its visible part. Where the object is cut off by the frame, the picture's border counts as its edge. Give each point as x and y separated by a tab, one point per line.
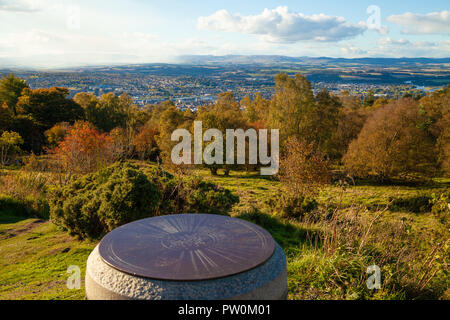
187	257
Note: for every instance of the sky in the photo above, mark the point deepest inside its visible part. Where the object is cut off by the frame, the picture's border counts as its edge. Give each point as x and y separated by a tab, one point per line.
53	33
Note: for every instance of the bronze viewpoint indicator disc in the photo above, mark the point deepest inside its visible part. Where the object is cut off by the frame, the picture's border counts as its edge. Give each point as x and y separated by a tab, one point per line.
187	247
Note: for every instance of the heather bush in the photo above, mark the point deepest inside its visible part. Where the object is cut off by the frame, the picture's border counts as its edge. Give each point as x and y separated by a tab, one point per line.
190	194
441	206
297	206
97	203
206	197
416	204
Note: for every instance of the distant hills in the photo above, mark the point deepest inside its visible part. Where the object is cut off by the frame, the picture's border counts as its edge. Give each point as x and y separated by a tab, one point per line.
74	61
274	60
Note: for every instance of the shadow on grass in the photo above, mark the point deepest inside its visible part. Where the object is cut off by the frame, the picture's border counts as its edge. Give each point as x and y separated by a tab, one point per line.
428	184
20	209
8	218
292	238
255	176
243	175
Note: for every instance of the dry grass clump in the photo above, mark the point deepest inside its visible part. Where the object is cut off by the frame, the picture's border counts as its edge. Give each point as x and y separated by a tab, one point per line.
412	264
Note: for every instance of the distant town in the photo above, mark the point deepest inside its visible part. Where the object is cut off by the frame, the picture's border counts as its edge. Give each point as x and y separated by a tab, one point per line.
197	80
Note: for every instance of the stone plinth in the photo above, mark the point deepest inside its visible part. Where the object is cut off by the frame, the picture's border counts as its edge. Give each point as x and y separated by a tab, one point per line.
187	257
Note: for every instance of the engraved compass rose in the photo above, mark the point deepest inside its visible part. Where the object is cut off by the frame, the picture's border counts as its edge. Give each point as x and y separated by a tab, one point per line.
187	247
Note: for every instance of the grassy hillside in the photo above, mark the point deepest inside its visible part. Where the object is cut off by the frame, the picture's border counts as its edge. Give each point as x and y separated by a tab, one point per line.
35	254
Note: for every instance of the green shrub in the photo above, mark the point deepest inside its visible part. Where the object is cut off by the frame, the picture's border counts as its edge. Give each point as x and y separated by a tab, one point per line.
441	206
168	185
190	194
99	202
206	197
296	206
416	204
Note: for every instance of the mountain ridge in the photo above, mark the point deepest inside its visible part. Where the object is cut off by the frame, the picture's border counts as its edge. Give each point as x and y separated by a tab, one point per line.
273	59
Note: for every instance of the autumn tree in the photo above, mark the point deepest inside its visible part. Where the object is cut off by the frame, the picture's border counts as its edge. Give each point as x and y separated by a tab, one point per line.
145	143
31	132
57	133
9	146
5	117
155	111
89	102
443	144
111	111
436	109
349	101
350	122
292	106
84	149
10	90
303	171
170	120
393	143
249	109
262	108
48	107
380	102
303	168
122	142
225	114
325	121
256	110
369	100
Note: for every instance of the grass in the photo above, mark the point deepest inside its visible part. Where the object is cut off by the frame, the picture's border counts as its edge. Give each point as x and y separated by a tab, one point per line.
34	257
35	254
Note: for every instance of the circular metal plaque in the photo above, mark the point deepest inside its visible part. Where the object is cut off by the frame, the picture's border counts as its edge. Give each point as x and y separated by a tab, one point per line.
187	247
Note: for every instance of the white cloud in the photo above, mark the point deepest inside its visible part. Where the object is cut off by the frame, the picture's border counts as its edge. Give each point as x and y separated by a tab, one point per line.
21	5
431	23
411	49
282	25
42	48
351	51
389	41
383	30
42	42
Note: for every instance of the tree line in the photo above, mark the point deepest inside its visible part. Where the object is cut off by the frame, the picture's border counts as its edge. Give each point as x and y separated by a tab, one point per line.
371	137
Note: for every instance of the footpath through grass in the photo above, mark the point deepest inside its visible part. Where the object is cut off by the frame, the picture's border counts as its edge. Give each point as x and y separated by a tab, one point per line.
34	258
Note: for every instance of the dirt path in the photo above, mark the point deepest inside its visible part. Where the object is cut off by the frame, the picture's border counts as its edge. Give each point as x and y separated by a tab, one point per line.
14	231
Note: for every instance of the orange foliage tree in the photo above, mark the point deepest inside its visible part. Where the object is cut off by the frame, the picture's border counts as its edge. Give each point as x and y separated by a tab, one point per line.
145	142
303	168
84	149
393	142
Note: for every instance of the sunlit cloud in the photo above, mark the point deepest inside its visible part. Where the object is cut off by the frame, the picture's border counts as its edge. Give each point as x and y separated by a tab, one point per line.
282	25
21	5
431	23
